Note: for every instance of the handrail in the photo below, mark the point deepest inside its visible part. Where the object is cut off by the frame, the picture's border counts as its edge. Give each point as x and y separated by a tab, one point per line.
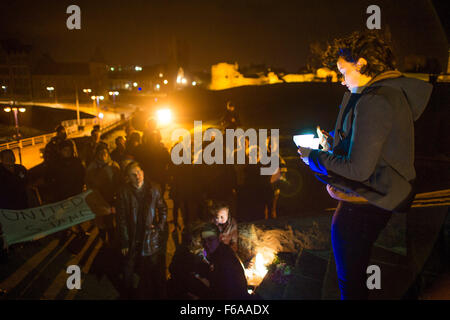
71	127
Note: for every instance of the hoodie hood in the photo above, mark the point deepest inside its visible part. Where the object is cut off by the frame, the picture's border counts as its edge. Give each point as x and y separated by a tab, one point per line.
417	92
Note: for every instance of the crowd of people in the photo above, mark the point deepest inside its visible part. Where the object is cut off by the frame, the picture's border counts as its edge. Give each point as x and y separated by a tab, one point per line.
131	215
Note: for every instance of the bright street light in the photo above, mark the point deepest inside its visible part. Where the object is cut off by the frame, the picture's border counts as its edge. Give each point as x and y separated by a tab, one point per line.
135	84
87	90
194	83
164	116
16	119
50	88
165	81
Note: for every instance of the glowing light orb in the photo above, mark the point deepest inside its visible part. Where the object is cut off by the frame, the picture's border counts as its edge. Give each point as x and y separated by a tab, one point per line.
164	116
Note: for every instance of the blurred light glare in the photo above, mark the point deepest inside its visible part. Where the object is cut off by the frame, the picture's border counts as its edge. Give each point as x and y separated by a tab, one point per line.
7	109
138	68
50	88
101	115
161	75
135	84
183	81
22	109
166	82
194	83
112	68
164	116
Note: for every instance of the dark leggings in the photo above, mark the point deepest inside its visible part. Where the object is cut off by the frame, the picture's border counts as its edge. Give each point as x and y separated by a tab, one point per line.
354	230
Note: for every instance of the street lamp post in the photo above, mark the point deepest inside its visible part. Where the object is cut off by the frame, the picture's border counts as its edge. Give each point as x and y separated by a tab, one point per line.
114	94
16	111
96	99
52	90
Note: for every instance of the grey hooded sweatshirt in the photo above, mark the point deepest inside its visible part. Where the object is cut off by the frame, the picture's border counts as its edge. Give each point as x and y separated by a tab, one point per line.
376	158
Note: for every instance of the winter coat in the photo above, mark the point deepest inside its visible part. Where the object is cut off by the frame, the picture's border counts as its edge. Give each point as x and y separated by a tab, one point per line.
227	278
376	142
104	178
13	188
67	178
229	233
140	229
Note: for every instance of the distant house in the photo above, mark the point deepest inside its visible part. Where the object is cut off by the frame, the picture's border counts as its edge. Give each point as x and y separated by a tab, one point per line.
64	77
15	69
27	76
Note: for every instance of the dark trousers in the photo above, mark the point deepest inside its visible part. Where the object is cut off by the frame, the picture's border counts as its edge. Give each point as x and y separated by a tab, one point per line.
152	280
354	230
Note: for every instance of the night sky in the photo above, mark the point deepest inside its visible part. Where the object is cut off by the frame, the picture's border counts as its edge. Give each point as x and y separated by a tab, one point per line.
274	32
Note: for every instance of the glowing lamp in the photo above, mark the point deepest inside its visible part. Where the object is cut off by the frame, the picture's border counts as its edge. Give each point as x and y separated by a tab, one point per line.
164	116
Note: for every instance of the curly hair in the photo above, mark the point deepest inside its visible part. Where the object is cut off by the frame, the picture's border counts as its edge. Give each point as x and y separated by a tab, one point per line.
369	45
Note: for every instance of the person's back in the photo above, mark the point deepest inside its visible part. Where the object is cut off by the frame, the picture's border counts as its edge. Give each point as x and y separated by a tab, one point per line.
183	268
13	182
227	278
67	174
104	178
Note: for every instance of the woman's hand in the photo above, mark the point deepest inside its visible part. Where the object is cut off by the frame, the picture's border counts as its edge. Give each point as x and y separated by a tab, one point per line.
323	139
304	154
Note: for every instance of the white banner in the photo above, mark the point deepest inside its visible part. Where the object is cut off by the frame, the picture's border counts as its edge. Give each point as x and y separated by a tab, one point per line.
31	224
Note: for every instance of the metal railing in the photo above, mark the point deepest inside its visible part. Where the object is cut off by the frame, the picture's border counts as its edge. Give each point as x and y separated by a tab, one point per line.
28	142
71	128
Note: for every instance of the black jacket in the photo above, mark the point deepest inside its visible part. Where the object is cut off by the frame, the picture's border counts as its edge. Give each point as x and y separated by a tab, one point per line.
13	188
67	178
140	229
227	278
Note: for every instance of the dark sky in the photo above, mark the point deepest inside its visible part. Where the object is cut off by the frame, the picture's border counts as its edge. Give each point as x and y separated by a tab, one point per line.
274	32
